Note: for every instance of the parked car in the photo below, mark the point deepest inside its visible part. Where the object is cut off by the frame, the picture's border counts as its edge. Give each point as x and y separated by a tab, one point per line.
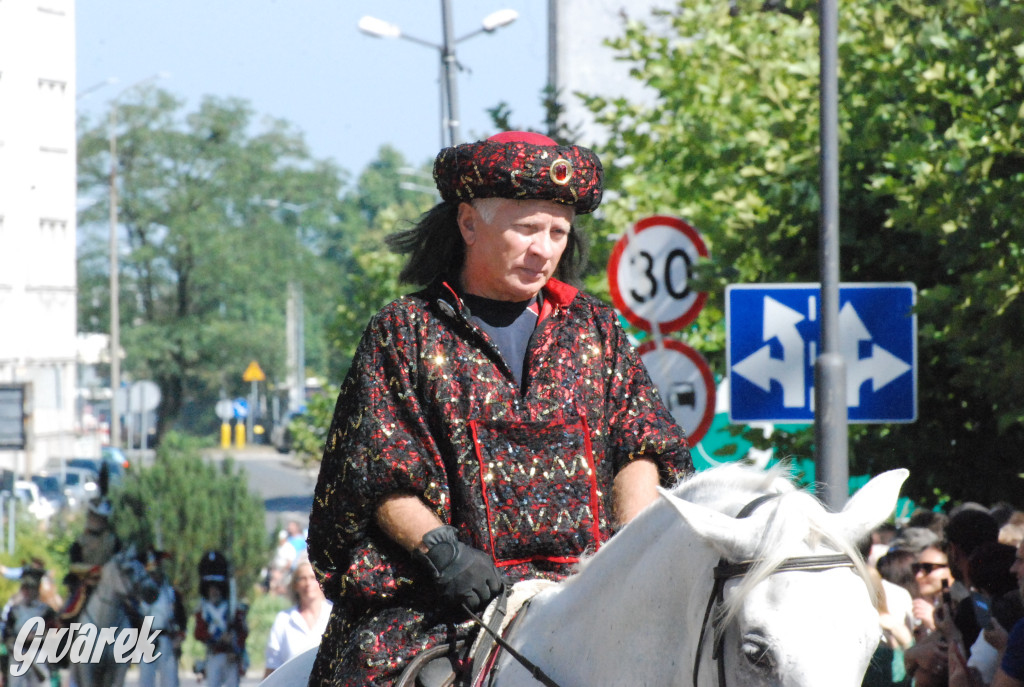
111	454
116	463
80	485
28	493
51	489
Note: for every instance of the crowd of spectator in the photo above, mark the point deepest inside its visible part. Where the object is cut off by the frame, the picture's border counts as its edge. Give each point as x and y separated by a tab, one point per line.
951	599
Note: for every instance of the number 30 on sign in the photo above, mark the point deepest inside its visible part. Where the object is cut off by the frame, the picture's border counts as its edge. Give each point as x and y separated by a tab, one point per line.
650	273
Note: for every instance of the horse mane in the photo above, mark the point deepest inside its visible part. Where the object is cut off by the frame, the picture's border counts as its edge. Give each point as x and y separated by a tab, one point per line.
793	513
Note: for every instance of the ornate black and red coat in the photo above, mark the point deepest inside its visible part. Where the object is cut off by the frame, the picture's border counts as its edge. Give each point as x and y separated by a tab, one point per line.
524	472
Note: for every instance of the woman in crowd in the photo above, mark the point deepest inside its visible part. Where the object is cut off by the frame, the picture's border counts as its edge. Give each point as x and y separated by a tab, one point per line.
300	627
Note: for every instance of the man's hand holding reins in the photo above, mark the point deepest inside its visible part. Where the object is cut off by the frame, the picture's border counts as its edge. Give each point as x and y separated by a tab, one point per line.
464	575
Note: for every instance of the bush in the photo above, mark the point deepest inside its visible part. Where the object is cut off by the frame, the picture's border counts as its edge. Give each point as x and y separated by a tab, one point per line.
187	506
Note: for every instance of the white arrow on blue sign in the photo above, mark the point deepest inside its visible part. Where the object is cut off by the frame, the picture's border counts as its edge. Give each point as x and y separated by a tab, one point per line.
773	340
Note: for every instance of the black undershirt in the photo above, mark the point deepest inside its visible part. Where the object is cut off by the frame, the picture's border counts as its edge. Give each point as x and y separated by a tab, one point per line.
508	324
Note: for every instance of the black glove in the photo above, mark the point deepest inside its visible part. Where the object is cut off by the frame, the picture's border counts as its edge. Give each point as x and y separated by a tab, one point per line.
464	575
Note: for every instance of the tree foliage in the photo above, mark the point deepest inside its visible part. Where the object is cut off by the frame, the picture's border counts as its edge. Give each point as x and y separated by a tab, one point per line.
931	168
217	213
187	506
309	430
389	195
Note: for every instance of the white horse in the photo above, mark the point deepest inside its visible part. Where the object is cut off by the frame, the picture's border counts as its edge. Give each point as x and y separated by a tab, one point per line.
789	606
123	579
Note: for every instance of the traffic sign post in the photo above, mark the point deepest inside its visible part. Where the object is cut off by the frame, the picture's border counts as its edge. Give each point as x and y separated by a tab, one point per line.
773	337
241	411
143	398
225	410
650	273
253	374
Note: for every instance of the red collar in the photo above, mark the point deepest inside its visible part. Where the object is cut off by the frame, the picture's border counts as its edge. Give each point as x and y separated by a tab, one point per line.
555	294
559	293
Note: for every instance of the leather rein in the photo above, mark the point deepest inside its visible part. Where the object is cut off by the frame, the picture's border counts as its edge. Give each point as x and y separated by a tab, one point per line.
726	571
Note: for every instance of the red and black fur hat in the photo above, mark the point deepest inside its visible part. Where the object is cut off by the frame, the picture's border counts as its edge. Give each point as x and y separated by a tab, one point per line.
520	165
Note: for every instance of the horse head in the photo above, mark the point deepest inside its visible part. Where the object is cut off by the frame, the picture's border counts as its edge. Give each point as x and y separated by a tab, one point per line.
797	607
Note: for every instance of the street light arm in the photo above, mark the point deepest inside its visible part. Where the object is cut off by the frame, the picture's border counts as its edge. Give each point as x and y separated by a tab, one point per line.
491	23
95	87
378	28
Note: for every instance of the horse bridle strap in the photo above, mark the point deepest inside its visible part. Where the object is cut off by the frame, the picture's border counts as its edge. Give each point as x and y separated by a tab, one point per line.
726	571
535	672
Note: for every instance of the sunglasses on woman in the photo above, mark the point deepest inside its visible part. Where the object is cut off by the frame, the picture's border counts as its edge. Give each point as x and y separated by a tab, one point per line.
926	568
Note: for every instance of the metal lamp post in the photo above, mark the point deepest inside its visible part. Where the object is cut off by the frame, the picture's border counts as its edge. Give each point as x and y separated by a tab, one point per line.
295	319
115	304
449	89
830	412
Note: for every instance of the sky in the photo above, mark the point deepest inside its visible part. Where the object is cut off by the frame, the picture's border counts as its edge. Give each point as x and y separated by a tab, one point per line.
305	61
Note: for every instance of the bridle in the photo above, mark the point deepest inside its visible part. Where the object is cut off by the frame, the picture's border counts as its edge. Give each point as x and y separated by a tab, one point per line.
726	571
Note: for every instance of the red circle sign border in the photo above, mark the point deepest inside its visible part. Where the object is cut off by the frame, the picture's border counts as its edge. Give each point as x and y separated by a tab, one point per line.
613	274
709	383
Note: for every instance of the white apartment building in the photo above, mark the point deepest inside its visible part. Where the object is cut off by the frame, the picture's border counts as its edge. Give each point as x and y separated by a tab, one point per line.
580	61
37	228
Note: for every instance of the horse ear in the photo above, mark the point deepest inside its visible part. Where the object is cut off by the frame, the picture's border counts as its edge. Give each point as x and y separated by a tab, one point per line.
735	538
872	504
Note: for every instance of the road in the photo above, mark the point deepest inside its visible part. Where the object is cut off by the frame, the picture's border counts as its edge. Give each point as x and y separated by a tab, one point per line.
286	486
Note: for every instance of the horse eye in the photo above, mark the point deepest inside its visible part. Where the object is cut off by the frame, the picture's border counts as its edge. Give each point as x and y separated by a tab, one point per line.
758	652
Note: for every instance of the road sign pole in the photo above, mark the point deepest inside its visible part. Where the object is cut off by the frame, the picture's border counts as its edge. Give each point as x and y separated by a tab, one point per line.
253	401
830	416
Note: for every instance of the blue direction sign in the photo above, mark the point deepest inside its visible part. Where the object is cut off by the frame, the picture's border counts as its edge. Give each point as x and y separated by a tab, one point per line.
773	339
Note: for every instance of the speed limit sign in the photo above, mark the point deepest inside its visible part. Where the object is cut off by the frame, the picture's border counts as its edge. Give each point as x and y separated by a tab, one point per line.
650	273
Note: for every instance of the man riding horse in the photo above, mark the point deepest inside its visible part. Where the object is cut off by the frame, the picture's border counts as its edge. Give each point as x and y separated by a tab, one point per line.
494	426
88	554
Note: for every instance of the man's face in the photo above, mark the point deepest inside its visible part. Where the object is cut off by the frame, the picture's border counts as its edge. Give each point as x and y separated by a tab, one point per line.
512	246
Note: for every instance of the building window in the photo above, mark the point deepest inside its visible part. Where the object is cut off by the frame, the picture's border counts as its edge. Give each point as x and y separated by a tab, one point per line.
52	84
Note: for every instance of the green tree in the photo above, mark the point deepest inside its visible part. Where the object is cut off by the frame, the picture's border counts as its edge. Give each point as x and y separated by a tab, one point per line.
188	506
389	195
208	244
932	167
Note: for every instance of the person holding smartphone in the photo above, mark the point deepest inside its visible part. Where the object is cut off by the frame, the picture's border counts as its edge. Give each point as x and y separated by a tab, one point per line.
926	661
932	575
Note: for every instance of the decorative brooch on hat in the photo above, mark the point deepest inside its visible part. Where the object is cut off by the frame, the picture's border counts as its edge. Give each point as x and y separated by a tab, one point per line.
520	165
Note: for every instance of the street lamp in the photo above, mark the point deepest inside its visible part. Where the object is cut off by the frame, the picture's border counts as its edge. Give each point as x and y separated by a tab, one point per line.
115	304
295	318
95	87
449	98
